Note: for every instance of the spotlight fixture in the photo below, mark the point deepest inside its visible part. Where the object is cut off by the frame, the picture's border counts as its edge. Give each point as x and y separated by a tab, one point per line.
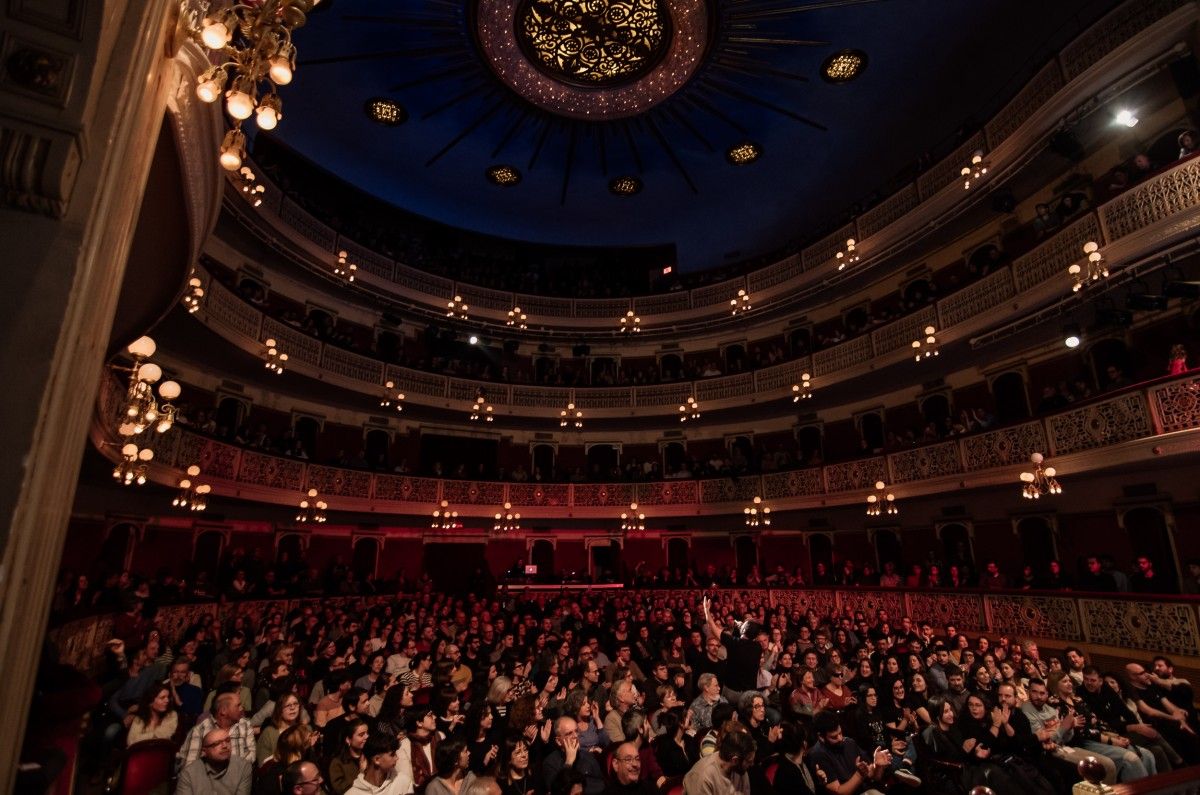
633	519
1040	481
253	42
570	415
689	410
875	502
444	518
343	268
740	303
142	409
1096	269
504	176
844	66
927	347
245	179
1072	335
311	509
131	468
625	186
455	307
192	496
517	318
481	408
273	360
802	390
757	513
473	340
847	256
194	293
743	154
631	323
975	171
506	520
391	396
1125	118
384	111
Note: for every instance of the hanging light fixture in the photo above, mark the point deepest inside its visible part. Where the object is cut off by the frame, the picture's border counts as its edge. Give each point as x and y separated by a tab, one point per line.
1096	269
344	269
444	518
802	390
631	323
192	495
847	256
517	318
689	410
757	513
740	303
927	346
253	42
455	307
193	295
570	415
390	396
481	408
876	502
273	360
131	468
245	179
506	520
1040	481
633	519
311	509
973	172
142	409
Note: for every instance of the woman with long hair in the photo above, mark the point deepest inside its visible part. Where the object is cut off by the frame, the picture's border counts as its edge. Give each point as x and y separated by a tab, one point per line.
918	698
155	719
287	713
949	763
295	745
350	760
452	761
480	739
674	748
513	770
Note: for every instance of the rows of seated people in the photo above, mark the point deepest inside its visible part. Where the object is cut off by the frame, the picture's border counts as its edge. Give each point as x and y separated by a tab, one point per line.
626	692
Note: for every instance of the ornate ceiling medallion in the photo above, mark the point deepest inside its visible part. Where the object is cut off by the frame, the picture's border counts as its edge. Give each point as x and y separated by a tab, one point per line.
593	59
625	186
594	42
503	175
844	66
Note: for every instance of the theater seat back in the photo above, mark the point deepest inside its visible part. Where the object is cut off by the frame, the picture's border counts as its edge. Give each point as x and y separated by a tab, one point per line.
148	765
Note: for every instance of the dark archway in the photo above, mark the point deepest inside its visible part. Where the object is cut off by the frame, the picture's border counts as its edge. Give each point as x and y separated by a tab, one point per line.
115	552
1150	537
673	457
936	410
670	367
543	461
870	428
252	290
918	292
741	454
1111	364
800	341
888	549
307	430
206	557
678	554
809	440
541	554
745	552
1037	542
735	358
365	560
1012	400
956	544
231	413
855	321
377	444
388	346
602	460
820	548
606	562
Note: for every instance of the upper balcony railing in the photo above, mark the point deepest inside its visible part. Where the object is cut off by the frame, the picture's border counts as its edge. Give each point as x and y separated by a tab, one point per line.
1115	45
1147	218
1167	411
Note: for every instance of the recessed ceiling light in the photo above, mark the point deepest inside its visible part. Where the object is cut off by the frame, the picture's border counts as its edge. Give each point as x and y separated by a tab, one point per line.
625	186
1126	118
504	176
743	154
387	112
844	66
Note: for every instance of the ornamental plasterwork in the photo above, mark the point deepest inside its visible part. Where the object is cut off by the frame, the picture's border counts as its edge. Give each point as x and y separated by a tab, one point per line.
930	461
271	471
1034	616
1100	424
853	475
1003	447
1178	405
823	602
965	611
870	601
468	492
1165	627
1166	195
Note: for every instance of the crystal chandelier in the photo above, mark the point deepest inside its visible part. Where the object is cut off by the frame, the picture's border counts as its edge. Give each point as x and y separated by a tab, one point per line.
194	293
924	348
506	520
481	408
633	519
132	466
570	415
142	409
244	179
689	410
344	269
757	513
876	502
631	323
311	509
517	318
802	390
1096	269
741	303
847	256
253	42
975	171
390	396
444	518
192	496
272	358
1040	481
456	308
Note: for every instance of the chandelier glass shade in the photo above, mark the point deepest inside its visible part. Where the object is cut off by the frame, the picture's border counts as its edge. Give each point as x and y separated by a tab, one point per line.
391	397
1040	481
444	518
311	510
802	390
131	469
192	496
883	501
633	519
507	521
142	408
757	513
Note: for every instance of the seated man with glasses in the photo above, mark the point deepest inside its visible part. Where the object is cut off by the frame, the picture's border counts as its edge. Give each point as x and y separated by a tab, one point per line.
218	771
627	773
302	778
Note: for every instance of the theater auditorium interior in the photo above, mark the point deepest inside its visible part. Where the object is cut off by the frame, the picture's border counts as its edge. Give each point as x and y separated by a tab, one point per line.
592	397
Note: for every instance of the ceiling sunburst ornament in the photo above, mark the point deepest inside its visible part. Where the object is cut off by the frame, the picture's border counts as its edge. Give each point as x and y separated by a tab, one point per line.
625	186
594	43
504	176
743	154
844	66
385	111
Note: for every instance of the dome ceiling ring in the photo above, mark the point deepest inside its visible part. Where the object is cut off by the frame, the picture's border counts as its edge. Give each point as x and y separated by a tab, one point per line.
593	59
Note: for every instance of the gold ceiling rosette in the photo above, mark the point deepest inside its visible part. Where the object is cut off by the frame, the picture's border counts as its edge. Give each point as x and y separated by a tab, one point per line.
594	42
